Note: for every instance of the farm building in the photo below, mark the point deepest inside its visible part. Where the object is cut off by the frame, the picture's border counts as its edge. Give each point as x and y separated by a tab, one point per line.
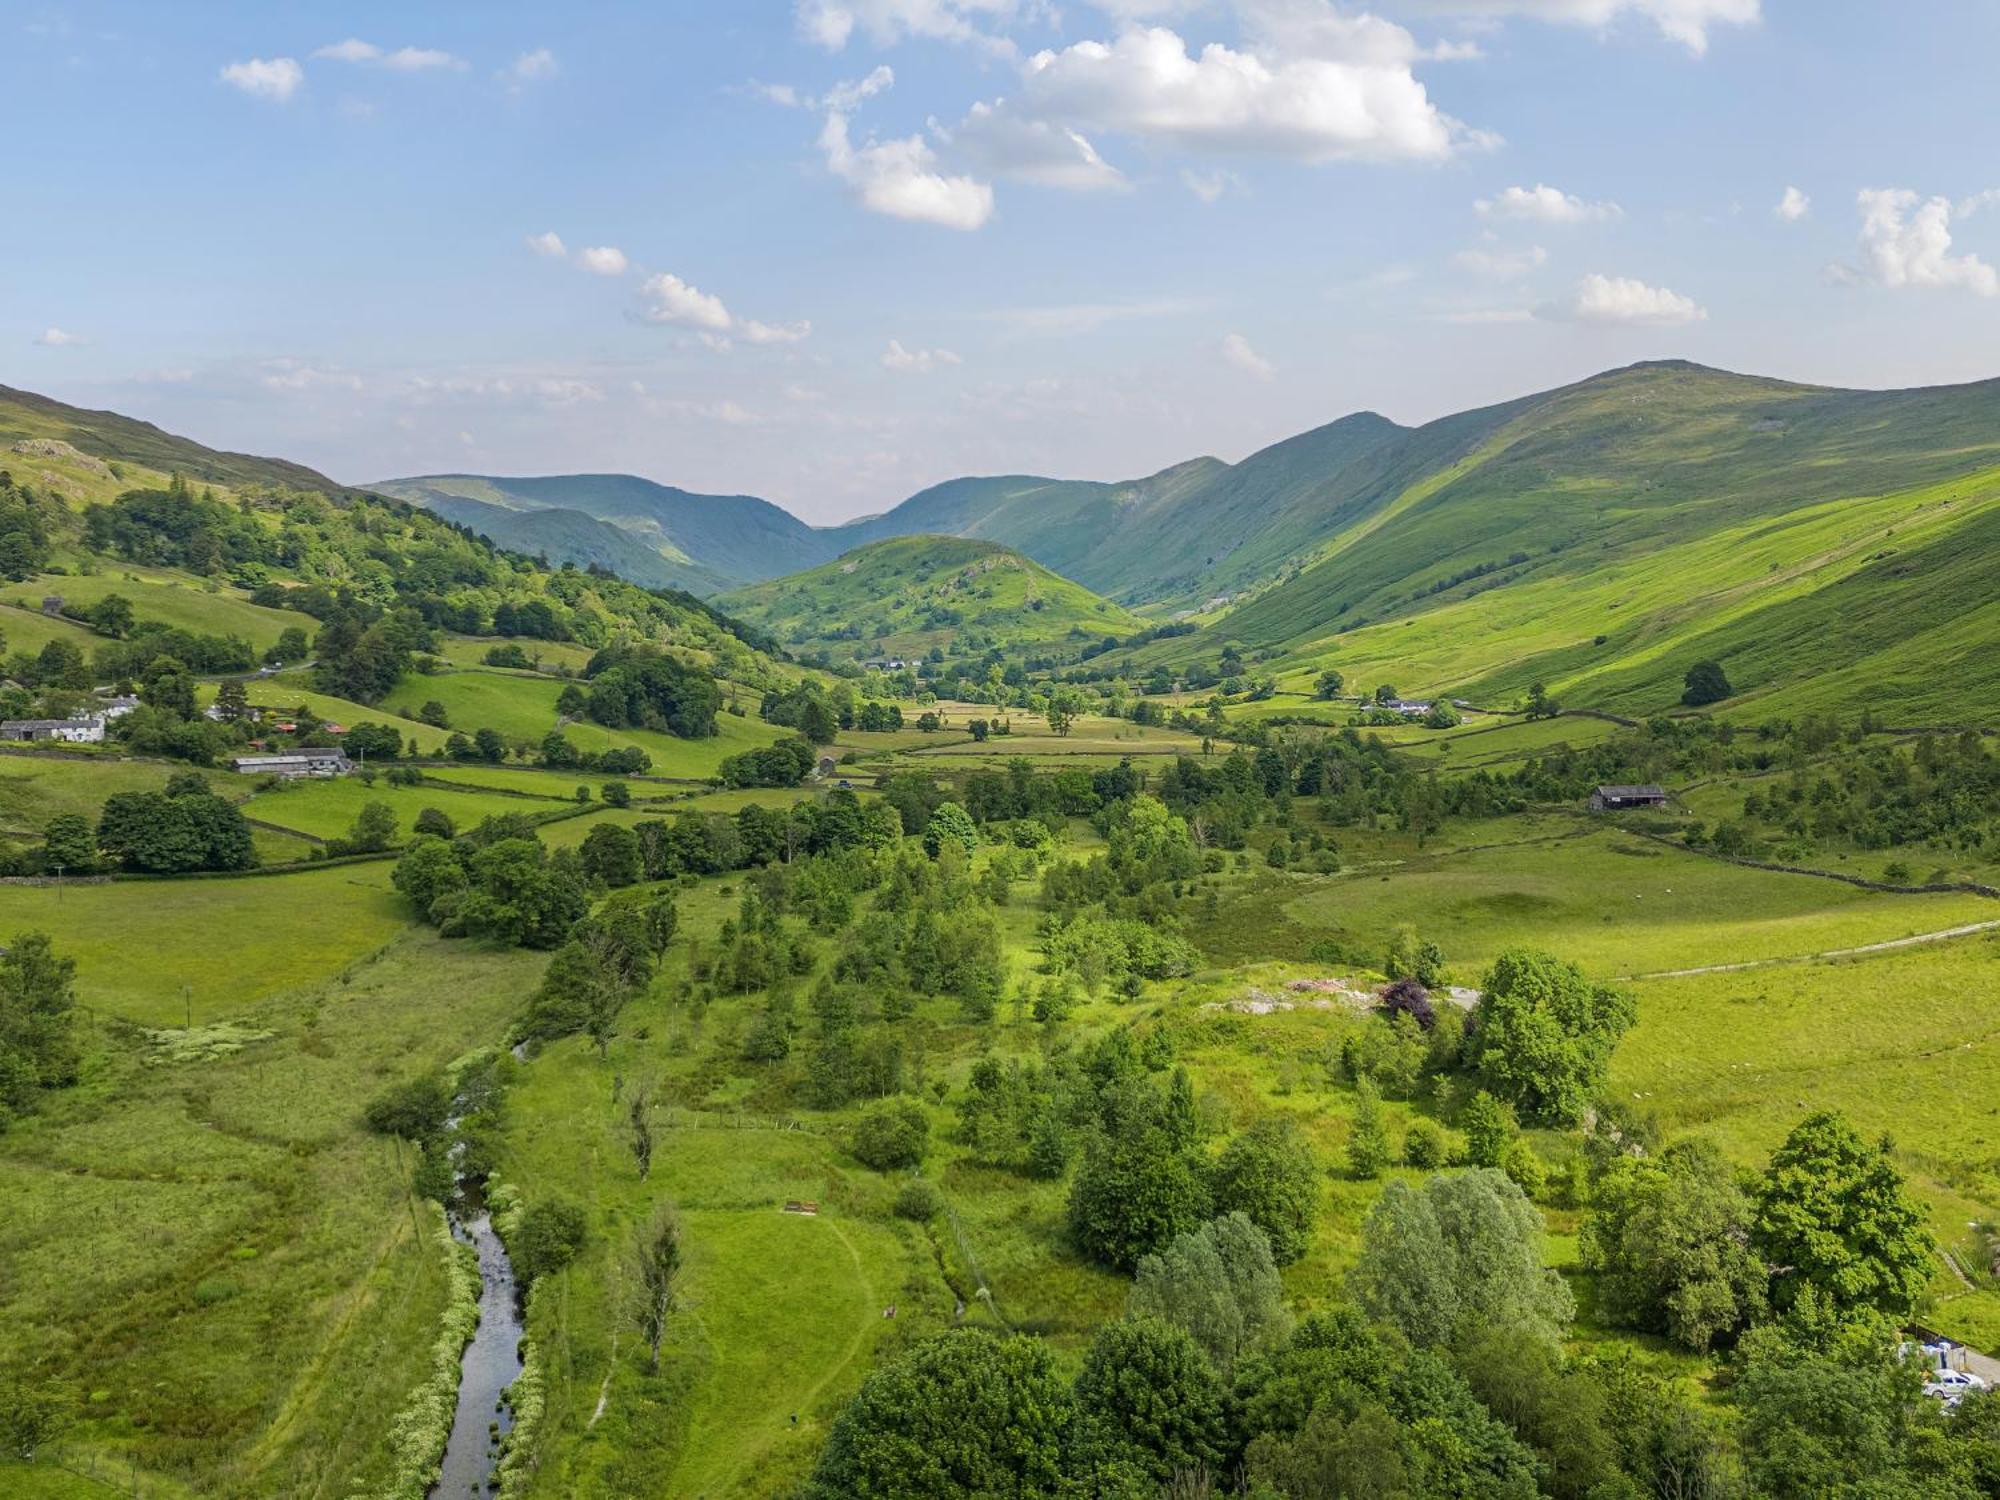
293	763
1616	798
88	731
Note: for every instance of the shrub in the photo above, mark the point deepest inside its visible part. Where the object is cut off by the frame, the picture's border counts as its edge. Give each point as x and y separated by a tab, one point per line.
892	1134
919	1201
1425	1145
1409	996
546	1237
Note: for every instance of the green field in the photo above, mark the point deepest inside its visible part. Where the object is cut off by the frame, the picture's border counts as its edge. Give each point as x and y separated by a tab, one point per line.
173	598
327	809
255	1300
148	950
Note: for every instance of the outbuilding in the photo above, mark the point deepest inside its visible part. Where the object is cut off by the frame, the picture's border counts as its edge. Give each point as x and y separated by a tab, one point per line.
1618	798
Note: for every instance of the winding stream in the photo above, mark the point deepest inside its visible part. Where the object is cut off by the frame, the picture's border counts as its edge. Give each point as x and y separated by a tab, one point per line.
491	1362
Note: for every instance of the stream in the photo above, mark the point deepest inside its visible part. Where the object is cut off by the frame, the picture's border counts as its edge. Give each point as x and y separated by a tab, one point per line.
492	1360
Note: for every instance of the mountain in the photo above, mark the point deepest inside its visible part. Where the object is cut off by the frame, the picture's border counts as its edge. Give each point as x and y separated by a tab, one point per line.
1605	536
711	542
573	537
904	595
29	424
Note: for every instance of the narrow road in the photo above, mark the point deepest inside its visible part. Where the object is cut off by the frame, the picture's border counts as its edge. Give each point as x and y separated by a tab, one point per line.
1968	930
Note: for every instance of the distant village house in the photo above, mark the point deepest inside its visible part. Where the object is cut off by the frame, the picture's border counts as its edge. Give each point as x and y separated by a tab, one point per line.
86	731
292	764
1618	798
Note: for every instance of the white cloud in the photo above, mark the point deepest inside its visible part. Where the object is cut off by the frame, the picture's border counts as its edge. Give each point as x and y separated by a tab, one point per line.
1501	265
1906	241
420	60
57	338
1543	204
916	361
1793	207
353	50
830	23
1623	301
1032	150
273	78
296	375
549	244
402	60
1146	84
754	332
1207	186
900	178
1238	355
600	260
530	67
671	300
665	298
1685	21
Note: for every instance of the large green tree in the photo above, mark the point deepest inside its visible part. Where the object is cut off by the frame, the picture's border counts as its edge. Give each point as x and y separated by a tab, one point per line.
1149	1401
1268	1174
37	1015
1833	1214
1543	1034
1670	1239
964	1416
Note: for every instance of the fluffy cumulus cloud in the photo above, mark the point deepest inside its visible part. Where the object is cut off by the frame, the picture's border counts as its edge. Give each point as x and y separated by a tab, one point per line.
273	78
353	50
1309	105
1623	301
549	244
665	298
53	337
1793	206
1688	22
1501	265
1039	151
599	260
1542	204
902	178
916	361
1906	241
1238	355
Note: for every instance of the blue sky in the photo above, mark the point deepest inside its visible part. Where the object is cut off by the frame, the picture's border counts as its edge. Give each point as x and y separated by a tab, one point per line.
835	250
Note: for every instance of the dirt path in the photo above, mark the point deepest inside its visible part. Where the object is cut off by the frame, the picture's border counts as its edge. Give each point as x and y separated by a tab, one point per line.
1968	930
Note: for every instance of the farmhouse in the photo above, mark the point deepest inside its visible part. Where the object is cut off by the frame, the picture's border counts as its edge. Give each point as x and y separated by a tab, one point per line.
293	763
1615	798
88	731
1409	708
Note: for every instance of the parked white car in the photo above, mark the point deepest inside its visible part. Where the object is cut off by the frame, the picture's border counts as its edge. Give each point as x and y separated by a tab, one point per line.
1951	1386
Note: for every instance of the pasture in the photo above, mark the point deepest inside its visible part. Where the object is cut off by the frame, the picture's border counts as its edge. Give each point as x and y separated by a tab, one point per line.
241	1224
148	951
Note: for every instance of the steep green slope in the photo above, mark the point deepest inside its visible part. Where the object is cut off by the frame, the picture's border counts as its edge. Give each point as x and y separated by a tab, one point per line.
717	539
903	596
1622	466
570	536
1830	548
29	419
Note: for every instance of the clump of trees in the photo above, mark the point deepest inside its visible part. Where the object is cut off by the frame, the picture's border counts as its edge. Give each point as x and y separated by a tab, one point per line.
180	828
640	686
38	1048
495	881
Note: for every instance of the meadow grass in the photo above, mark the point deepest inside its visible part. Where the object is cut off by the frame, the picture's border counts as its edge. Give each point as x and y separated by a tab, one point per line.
327	809
23	627
1614	903
255	1300
171	597
35	788
146	950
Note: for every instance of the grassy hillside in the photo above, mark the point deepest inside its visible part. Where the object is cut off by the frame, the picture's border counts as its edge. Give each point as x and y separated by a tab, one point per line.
573	537
110	438
1605	537
712	540
904	596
